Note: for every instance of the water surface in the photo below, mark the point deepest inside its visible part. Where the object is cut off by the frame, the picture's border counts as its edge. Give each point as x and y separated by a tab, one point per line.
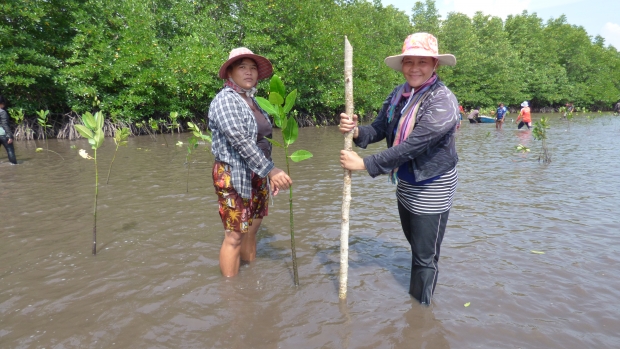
155	282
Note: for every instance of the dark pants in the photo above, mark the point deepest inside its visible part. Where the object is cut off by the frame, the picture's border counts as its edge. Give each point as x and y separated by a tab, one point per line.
424	233
4	141
521	124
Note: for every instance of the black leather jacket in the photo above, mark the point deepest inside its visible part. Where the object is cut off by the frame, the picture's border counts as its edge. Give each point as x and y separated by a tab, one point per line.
430	148
4	123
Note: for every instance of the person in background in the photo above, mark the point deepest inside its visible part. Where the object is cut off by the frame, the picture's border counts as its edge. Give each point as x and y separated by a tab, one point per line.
243	167
6	136
474	116
499	116
461	112
525	116
418	120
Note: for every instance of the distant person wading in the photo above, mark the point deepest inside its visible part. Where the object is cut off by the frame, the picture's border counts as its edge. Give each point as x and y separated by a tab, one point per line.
6	136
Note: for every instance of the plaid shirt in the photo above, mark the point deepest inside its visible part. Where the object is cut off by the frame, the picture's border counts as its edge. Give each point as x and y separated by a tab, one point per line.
234	133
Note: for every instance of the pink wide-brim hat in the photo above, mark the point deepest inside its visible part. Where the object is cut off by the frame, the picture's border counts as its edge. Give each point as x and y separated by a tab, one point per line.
265	69
421	45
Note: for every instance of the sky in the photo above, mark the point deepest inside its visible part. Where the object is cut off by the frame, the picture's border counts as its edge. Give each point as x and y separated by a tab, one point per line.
598	17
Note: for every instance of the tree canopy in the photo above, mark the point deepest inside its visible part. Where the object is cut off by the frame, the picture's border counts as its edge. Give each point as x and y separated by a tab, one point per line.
134	59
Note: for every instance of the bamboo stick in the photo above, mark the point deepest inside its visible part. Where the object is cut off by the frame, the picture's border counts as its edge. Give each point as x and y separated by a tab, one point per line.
346	191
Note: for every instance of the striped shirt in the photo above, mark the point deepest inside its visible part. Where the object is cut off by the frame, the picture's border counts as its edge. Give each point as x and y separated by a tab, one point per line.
431	198
234	133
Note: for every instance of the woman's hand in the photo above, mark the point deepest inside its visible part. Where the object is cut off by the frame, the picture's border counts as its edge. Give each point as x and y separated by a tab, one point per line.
10	141
347	125
351	161
279	179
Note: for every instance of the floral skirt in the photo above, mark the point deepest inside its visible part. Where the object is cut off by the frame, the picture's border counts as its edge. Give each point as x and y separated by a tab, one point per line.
236	212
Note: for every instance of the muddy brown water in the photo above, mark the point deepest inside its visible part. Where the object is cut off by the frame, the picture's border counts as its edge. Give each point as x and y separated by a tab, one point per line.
155	282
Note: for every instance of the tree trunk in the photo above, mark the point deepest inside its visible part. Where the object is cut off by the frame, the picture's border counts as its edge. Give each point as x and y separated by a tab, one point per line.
346	191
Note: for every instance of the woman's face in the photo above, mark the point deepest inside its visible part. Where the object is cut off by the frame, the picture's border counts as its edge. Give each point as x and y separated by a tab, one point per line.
417	69
245	74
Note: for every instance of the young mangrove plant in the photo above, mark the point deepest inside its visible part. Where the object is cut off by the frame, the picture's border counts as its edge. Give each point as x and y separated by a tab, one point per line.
155	127
540	134
278	107
120	139
174	122
93	131
22	131
42	121
196	136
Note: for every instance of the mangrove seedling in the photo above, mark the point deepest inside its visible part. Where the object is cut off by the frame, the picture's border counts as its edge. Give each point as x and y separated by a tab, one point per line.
93	131
120	139
173	122
155	127
42	120
196	136
22	131
278	107
540	134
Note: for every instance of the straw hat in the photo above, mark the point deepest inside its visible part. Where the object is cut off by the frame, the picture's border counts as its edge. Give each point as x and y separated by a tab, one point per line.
419	44
265	69
525	104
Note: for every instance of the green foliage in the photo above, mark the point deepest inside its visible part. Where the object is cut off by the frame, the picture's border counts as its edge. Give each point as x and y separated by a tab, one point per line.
136	60
92	129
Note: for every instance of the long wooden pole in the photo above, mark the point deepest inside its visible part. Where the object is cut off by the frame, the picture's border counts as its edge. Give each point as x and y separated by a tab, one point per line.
346	191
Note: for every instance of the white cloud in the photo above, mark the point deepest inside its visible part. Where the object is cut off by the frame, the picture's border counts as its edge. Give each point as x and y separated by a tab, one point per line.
611	33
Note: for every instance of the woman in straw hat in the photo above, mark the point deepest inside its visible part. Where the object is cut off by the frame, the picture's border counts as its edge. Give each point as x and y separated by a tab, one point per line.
418	120
243	173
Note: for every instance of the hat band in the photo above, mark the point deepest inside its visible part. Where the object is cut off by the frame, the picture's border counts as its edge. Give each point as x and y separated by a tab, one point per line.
419	52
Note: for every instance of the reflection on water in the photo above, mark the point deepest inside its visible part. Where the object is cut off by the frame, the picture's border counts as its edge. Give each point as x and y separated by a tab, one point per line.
155	282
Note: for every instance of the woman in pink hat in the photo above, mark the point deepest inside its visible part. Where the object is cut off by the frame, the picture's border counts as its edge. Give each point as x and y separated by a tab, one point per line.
418	120
243	173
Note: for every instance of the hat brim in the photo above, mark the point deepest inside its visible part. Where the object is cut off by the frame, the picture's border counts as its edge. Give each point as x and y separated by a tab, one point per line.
396	62
265	69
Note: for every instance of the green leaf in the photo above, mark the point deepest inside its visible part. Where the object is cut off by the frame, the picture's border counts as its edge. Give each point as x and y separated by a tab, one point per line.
98	139
300	155
89	121
278	121
276	99
267	106
537	252
290	132
276	85
274	142
99	118
466	304
290	101
84	131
